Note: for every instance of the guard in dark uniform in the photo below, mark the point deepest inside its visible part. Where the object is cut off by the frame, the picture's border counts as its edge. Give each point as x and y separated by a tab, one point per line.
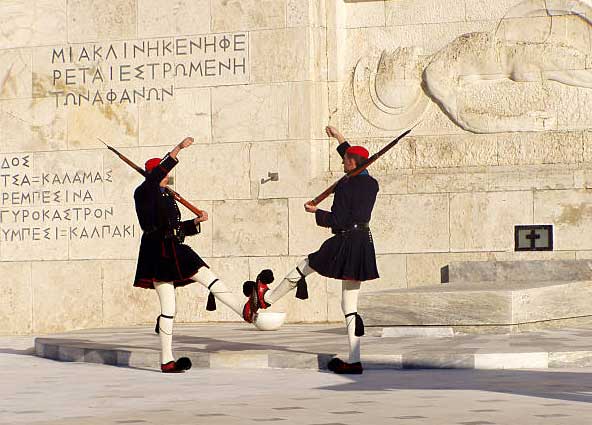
348	255
164	262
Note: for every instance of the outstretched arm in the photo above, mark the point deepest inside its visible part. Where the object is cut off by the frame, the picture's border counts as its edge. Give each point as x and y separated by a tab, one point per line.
336	134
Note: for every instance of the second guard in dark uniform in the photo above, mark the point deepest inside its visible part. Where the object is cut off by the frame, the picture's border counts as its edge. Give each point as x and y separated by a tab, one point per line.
165	262
348	256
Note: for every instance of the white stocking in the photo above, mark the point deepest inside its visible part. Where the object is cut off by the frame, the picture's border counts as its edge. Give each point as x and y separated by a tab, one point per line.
205	277
166	295
349	304
289	283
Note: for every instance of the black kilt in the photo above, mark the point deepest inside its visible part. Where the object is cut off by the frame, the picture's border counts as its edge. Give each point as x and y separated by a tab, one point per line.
349	255
166	261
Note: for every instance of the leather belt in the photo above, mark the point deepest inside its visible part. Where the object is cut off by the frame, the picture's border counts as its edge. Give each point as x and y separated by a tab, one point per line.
355	226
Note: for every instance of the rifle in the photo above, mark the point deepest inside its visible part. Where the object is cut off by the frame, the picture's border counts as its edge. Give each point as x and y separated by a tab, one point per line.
170	191
357	170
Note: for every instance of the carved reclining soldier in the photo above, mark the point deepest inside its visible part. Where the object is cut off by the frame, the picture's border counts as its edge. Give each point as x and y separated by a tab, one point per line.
165	263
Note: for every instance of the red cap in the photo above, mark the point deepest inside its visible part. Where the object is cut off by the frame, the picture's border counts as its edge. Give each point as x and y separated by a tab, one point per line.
152	163
358	150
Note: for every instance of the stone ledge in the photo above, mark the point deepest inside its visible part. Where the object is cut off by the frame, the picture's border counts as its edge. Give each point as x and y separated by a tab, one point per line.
311	347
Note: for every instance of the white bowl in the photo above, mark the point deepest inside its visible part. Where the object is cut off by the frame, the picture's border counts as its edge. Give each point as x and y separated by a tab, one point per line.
269	320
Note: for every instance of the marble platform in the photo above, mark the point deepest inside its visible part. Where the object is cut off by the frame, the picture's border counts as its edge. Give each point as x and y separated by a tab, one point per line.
311	346
490	297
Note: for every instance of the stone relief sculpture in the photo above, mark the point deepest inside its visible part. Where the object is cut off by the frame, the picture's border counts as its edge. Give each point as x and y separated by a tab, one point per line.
546	47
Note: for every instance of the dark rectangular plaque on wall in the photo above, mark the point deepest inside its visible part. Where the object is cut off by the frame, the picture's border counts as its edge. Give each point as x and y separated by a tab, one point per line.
538	237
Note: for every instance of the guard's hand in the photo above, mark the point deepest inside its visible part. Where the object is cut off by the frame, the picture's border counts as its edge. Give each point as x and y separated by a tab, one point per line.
187	141
310	207
201	218
334	133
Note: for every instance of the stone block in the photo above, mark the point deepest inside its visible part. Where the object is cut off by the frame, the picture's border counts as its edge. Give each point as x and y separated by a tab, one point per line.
233	15
411	223
485	221
552	302
524	270
23	25
124	179
382	361
427	269
448	182
393	272
436	306
166	122
408	12
70	354
250	228
214	172
478	10
365	14
312	310
286	159
569	212
28	125
138	358
115	124
438	361
548	148
244	105
308	110
530	179
15	73
16	309
454	151
305	236
422	332
93	21
294	361
511	360
122	303
570	359
157	18
66	295
280	55
93	355
244	359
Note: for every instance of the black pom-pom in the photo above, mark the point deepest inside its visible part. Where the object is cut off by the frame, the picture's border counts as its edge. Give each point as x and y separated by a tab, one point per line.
266	276
211	305
248	288
302	289
359	330
184	363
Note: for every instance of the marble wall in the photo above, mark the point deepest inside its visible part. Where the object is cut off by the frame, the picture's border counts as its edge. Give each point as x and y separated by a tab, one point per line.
497	92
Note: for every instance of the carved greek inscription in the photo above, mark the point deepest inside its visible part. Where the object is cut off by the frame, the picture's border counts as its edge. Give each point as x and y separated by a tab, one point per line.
129	72
47	206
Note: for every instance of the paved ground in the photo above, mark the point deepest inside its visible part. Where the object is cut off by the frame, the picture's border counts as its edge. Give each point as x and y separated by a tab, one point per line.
310	347
40	391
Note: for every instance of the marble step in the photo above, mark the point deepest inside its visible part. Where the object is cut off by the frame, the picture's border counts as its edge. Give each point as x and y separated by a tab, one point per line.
478	304
503	271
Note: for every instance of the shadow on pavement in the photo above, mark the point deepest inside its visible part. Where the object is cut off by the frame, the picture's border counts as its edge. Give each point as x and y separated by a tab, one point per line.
556	385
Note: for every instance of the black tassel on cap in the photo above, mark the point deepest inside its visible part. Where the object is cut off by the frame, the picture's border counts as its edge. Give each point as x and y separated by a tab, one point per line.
359	330
301	286
211	305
